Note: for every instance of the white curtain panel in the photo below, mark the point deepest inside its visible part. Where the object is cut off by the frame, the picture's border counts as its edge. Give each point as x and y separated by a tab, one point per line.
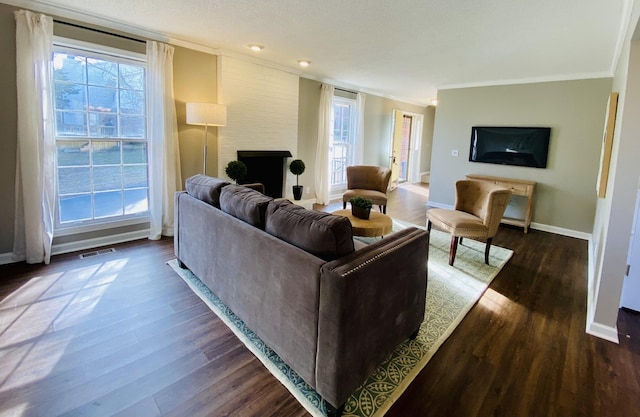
324	141
35	168
164	155
358	156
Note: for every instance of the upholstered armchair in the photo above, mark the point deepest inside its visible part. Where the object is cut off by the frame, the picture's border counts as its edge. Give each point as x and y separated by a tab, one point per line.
367	181
478	210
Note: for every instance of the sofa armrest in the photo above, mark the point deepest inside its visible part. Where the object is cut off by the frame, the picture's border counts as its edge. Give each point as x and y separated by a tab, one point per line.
370	301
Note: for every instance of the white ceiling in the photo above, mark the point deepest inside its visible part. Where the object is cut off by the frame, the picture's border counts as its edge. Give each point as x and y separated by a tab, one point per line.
406	49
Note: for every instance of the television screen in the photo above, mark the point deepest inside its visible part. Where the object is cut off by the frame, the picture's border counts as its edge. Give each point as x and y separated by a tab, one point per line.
520	146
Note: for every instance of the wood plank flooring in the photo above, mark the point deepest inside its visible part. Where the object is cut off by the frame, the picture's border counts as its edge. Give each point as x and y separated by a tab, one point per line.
121	334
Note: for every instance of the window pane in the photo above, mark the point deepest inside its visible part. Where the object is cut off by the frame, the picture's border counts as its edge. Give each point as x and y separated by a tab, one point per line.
75	208
135	176
107	178
131	77
131	102
134	152
69	68
70	96
106	153
102	99
73	153
108	204
132	126
102	72
135	201
74	180
103	124
71	123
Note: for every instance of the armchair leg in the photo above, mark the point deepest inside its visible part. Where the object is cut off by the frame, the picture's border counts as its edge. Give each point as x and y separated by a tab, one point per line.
486	250
344	205
428	225
453	249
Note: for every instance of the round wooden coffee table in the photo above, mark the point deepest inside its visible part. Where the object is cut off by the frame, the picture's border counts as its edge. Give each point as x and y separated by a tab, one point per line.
378	224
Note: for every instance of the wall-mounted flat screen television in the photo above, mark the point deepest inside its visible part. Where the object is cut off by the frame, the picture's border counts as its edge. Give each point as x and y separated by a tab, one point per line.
520	146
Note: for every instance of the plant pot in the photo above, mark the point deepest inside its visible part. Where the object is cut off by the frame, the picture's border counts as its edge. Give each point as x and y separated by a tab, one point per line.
297	192
361	212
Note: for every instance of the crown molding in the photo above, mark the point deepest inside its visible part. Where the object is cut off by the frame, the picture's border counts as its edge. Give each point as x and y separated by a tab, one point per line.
532	80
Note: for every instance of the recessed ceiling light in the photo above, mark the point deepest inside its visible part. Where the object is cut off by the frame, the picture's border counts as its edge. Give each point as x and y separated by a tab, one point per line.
304	62
255	47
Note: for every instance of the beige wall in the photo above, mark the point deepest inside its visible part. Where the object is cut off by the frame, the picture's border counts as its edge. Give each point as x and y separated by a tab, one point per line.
378	117
8	121
194	81
575	110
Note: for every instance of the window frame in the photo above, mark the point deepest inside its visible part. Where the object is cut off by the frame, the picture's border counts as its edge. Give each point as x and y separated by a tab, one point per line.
90	50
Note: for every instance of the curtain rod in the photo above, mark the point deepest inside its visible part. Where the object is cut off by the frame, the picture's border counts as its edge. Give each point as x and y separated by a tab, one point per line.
104	32
346	91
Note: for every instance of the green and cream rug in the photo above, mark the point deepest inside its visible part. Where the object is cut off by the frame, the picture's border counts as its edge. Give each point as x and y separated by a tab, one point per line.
451	293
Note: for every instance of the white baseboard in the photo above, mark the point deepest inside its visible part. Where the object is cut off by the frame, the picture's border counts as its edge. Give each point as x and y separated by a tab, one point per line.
560	231
8	258
439	205
603	332
99	241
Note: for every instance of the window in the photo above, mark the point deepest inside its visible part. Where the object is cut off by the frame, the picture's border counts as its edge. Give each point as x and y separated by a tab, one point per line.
341	150
101	142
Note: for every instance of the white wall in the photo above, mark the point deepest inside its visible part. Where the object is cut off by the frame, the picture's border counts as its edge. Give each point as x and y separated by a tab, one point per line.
614	213
262	111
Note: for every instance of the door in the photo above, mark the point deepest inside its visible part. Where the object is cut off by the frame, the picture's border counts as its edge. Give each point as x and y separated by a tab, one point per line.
631	285
405	147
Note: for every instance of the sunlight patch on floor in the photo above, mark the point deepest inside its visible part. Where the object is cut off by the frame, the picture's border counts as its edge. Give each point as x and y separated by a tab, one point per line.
42	306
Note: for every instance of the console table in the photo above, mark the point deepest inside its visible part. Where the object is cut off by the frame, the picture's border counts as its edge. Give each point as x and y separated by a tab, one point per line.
518	187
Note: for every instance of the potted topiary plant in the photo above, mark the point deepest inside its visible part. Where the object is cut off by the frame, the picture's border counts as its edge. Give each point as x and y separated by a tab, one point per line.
236	170
361	207
297	168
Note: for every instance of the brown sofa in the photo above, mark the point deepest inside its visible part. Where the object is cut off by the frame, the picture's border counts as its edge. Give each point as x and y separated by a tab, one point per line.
331	312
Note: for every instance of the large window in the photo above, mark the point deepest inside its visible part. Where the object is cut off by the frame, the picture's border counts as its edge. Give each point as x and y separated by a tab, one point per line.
341	150
100	125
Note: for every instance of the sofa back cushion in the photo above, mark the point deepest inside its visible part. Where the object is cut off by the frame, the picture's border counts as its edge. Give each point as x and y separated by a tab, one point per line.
205	188
245	203
322	234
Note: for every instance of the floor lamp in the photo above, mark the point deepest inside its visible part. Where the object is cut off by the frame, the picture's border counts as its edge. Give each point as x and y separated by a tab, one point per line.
206	114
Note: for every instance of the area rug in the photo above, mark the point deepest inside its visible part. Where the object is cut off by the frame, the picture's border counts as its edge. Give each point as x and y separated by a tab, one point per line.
451	293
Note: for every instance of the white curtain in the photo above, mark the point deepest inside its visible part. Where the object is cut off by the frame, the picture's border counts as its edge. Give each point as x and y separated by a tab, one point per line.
358	156
35	169
324	141
164	154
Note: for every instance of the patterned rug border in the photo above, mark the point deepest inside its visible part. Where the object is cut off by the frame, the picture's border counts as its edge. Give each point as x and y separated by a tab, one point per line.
313	403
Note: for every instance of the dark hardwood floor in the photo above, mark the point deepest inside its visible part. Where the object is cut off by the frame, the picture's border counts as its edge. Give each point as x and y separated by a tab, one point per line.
121	334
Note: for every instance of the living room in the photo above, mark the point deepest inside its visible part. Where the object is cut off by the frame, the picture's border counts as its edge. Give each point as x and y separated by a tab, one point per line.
575	108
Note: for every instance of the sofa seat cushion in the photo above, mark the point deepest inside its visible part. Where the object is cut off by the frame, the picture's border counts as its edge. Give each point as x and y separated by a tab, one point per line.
205	188
245	204
324	235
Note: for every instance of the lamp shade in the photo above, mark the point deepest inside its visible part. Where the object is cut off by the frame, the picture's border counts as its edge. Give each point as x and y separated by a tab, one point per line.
206	114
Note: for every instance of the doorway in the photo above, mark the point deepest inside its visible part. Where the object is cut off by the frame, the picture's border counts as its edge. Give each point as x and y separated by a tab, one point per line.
631	284
406	141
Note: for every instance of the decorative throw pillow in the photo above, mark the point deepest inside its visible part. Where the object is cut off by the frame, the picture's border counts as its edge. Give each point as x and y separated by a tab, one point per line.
205	188
322	234
245	203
